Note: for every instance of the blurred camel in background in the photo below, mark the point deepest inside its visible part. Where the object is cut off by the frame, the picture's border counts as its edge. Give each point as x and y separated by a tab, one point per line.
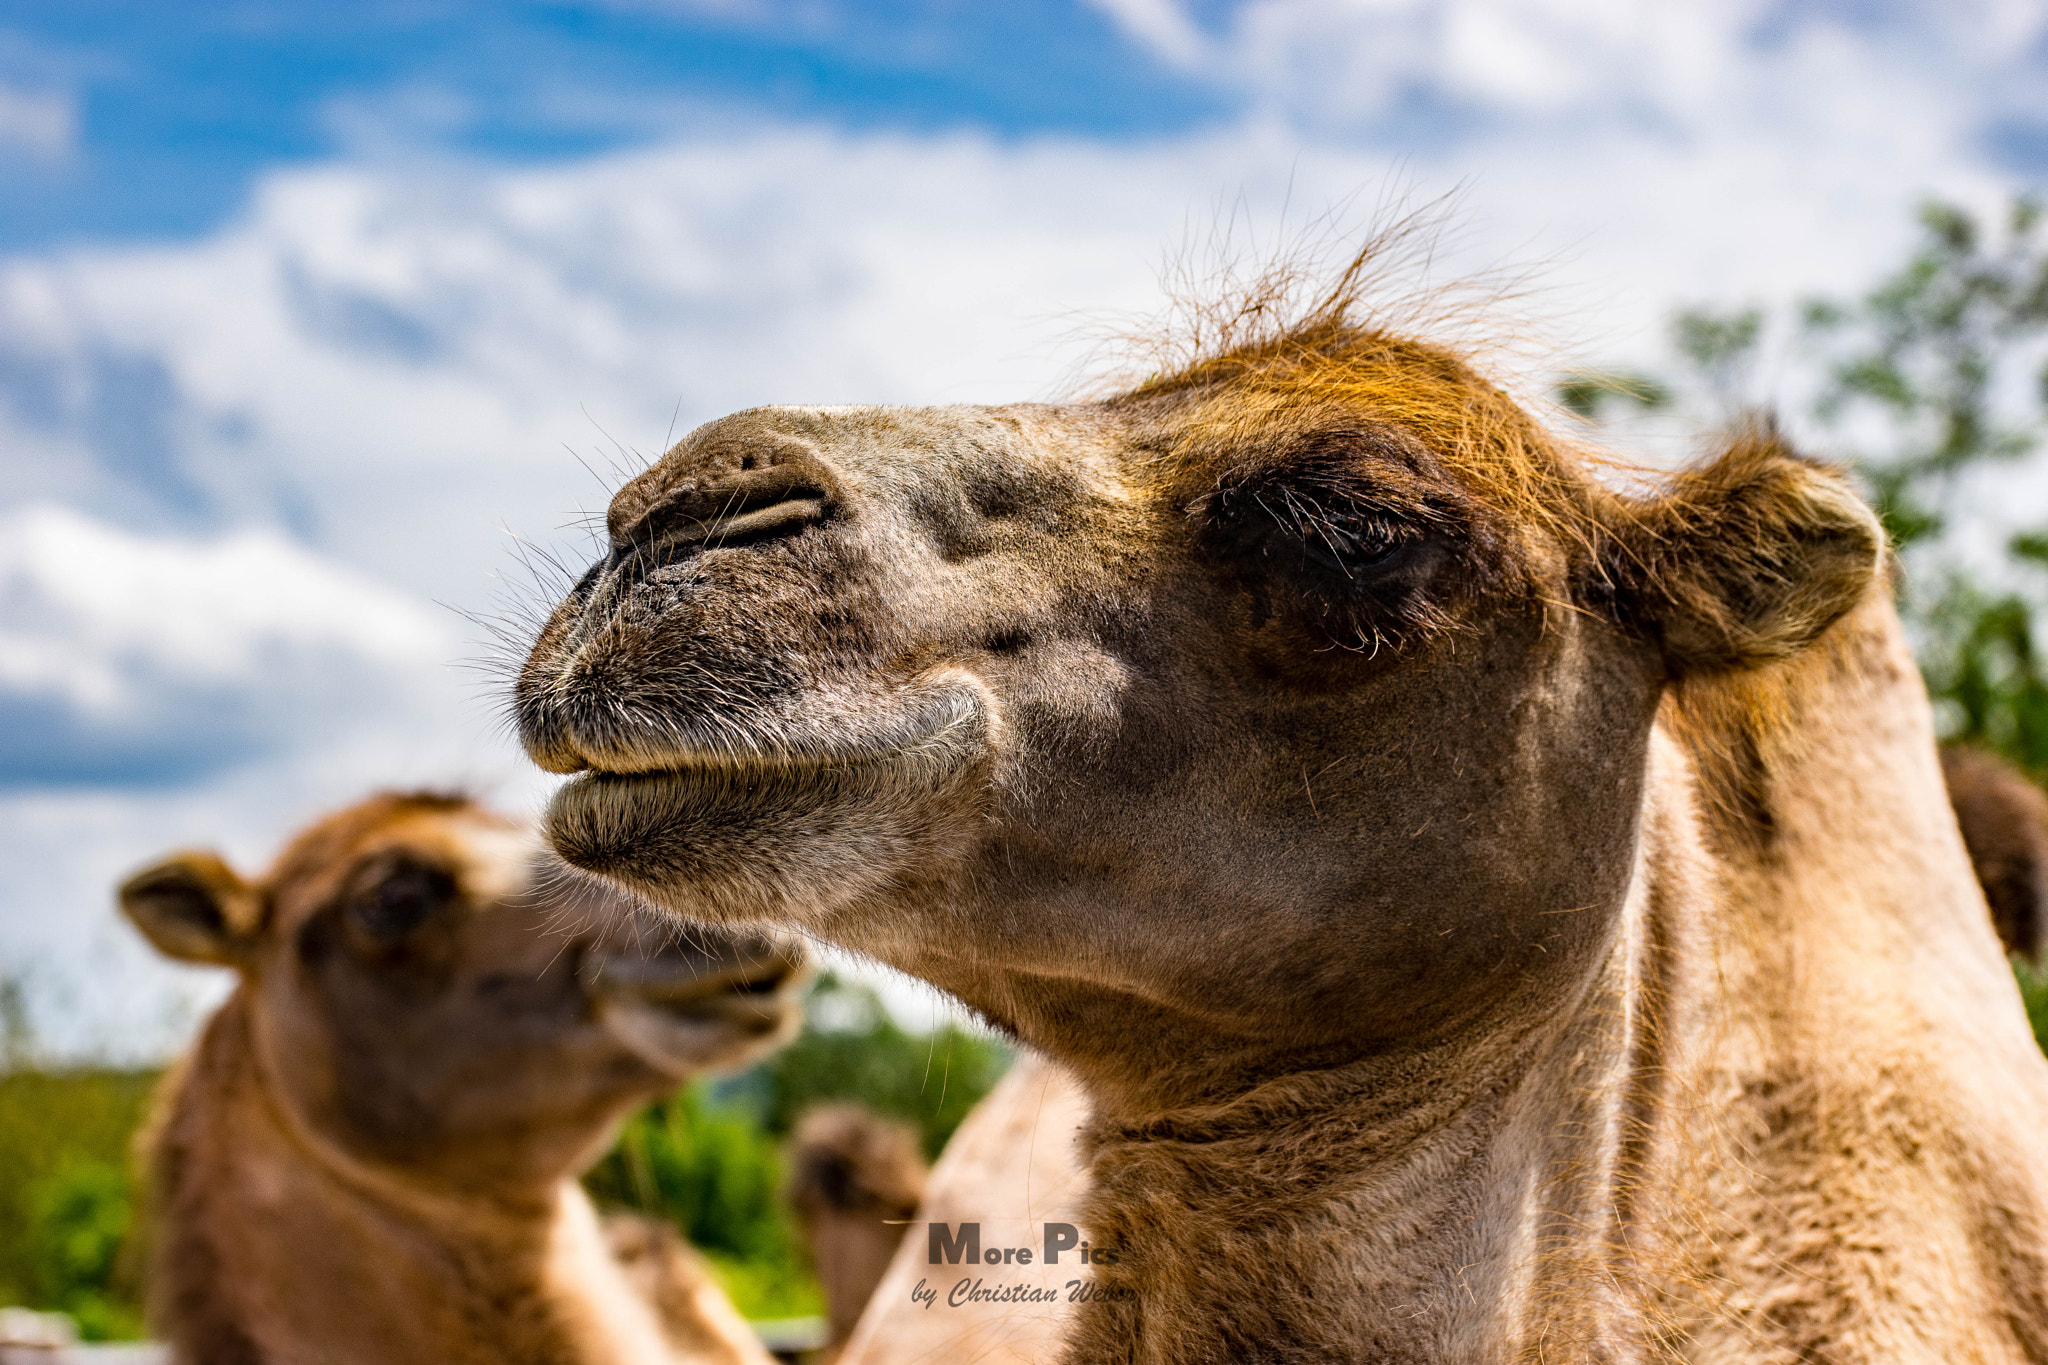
855	1182
2004	819
370	1155
1011	1168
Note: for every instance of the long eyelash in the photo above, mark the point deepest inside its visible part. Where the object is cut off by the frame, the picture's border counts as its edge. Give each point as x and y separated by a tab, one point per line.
1292	538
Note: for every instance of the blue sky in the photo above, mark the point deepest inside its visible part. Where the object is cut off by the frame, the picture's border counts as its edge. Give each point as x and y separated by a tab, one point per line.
175	109
319	322
179	107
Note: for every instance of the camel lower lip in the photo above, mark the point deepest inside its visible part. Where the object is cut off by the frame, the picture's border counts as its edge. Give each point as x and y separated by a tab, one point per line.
929	733
713	816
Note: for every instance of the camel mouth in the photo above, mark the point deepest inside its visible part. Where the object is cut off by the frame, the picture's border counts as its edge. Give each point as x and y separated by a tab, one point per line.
632	816
680	1015
745	974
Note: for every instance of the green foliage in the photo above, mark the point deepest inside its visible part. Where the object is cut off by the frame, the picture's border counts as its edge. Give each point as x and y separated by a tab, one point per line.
78	1224
1920	382
705	1167
1985	669
852	1049
1924	354
713	1171
1720	347
17	1038
2034	991
65	1196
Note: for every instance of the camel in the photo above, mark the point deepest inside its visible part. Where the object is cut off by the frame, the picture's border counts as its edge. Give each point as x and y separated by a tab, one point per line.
2004	819
855	1182
1497	909
370	1155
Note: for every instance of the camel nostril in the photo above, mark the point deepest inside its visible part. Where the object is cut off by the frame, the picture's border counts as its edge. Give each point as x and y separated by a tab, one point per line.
756	506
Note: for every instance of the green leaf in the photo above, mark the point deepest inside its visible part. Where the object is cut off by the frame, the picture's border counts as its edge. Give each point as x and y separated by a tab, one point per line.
1588	395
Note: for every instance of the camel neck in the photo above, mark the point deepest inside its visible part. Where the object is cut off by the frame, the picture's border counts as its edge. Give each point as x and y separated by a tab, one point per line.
1419	1206
1874	1082
1761	1132
271	1247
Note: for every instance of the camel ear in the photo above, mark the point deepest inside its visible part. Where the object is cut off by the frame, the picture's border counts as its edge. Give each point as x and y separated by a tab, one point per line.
1746	560
195	908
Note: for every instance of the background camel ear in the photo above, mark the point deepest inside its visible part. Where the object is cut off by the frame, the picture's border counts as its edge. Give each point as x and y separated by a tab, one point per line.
1747	559
194	907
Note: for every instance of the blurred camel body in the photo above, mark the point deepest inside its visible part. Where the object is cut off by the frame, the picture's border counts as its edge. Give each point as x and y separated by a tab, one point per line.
370	1156
1495	916
1012	1167
2004	819
855	1182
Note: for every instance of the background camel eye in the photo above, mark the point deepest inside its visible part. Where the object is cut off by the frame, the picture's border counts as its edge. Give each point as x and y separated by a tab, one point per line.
397	897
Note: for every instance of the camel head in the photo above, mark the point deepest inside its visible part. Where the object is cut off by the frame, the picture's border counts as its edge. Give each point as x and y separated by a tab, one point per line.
426	990
1294	703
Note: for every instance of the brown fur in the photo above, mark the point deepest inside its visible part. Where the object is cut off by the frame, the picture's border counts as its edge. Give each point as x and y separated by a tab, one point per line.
370	1155
2004	819
855	1179
1495	917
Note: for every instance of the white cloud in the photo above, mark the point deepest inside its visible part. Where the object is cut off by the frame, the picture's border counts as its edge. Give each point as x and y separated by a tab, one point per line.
1471	75
1165	28
94	614
153	660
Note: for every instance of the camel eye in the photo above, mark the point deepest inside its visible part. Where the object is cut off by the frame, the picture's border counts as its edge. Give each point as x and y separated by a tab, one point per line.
1369	565
1357	557
394	897
1327	538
